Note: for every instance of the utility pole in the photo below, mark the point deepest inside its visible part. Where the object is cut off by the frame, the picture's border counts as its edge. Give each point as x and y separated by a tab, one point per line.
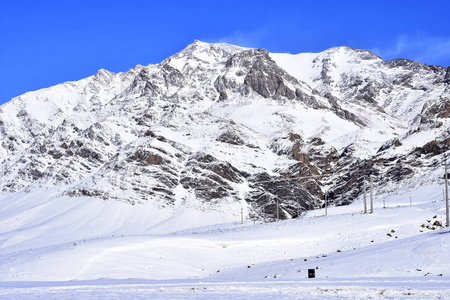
371	196
278	208
326	205
298	209
365	198
242	215
446	192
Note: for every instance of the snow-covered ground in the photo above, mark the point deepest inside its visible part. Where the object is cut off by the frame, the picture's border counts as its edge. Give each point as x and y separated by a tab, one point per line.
66	248
366	288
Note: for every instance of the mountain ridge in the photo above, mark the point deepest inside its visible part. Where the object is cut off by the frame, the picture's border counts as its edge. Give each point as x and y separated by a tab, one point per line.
222	124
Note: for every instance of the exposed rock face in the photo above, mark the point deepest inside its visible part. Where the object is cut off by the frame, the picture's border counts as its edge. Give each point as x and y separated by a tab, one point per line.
261	75
146	158
266	78
447	76
217	123
231	137
212	178
272	197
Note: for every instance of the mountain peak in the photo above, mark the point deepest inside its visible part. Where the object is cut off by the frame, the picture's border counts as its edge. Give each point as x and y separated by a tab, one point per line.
201	47
355	52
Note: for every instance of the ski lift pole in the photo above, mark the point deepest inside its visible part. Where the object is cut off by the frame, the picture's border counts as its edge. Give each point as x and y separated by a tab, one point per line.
446	193
278	210
365	198
371	196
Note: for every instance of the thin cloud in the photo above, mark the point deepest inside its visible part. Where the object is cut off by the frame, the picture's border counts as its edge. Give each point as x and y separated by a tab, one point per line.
253	39
429	50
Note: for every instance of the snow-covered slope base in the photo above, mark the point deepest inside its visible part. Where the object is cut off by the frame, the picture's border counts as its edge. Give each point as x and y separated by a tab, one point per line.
366	288
394	252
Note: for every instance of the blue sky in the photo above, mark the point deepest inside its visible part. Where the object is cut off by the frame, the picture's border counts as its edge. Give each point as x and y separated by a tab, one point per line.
43	43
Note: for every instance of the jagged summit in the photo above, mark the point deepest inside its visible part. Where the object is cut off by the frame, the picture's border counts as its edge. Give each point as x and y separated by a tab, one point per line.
350	52
224	46
216	126
208	52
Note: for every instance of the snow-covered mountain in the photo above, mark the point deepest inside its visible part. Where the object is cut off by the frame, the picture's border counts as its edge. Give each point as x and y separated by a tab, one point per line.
218	127
153	183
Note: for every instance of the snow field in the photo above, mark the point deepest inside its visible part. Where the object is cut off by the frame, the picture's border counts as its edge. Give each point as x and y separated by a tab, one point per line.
386	254
390	288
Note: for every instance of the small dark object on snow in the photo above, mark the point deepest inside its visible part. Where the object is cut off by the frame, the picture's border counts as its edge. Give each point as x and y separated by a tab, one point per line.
311	273
437	223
